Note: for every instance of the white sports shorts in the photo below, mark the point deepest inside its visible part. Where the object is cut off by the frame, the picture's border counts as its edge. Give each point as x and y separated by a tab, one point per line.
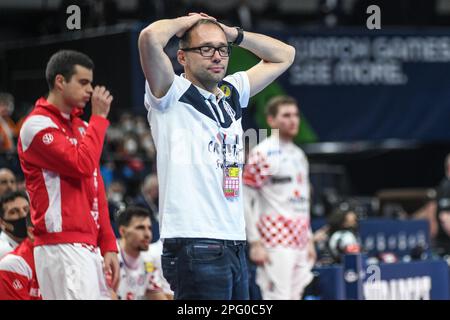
70	272
286	275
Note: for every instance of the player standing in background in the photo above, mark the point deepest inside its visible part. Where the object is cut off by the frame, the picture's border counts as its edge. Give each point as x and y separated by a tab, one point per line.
277	207
138	278
59	155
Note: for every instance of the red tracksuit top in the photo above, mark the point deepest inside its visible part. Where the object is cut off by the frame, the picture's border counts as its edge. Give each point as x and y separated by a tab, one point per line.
18	279
59	155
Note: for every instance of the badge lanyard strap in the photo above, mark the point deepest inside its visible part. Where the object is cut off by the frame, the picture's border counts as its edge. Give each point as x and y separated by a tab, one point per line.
223	135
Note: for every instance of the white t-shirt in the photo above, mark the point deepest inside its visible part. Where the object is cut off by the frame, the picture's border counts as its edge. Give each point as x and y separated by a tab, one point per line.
190	157
137	276
277	194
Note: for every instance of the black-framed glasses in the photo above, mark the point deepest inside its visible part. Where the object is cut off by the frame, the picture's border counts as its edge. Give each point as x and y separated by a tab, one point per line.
209	51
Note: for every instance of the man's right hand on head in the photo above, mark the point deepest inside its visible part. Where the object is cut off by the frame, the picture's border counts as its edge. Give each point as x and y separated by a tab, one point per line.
101	101
191	19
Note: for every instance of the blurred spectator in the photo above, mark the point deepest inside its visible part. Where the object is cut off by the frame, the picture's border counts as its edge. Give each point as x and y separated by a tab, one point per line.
126	122
107	171
21	184
149	199
7	125
130	152
245	15
7	181
437	212
14	208
115	193
15	284
343	233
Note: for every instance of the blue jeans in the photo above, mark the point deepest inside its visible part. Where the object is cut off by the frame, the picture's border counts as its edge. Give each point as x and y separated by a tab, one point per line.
206	268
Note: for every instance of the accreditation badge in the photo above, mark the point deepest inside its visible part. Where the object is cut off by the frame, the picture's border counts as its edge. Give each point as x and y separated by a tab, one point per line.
231	176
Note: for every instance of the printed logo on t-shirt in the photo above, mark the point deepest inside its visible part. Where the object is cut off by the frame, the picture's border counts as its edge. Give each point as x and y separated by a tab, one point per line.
233	150
226	90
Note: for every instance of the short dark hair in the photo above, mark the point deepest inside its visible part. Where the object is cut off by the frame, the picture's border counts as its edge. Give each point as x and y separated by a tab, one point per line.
337	218
185	40
63	62
125	216
11	196
273	105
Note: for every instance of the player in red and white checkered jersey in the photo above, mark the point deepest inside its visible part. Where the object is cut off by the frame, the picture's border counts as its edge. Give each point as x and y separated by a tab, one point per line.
277	205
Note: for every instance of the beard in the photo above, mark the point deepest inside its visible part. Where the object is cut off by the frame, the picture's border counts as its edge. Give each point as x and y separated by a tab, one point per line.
209	78
289	133
143	247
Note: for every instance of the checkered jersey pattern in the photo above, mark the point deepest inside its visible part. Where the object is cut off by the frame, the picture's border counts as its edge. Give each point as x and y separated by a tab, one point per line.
277	230
256	171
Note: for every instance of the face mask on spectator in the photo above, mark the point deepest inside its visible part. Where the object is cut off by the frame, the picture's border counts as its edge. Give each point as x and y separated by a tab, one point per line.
19	227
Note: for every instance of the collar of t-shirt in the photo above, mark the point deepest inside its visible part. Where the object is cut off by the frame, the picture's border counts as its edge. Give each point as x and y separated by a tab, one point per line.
43	103
276	140
8	239
206	94
65	115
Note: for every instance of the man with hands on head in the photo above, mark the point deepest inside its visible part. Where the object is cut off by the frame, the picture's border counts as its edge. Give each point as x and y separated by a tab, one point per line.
196	125
59	155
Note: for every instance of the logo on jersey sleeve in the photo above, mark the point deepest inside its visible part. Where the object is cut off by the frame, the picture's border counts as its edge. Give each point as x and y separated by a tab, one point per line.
17	284
47	138
82	131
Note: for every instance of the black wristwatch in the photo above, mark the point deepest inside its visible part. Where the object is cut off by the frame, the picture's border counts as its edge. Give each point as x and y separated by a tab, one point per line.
239	37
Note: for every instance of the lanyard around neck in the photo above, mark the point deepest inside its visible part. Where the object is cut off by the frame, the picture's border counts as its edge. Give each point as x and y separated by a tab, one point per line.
227	108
